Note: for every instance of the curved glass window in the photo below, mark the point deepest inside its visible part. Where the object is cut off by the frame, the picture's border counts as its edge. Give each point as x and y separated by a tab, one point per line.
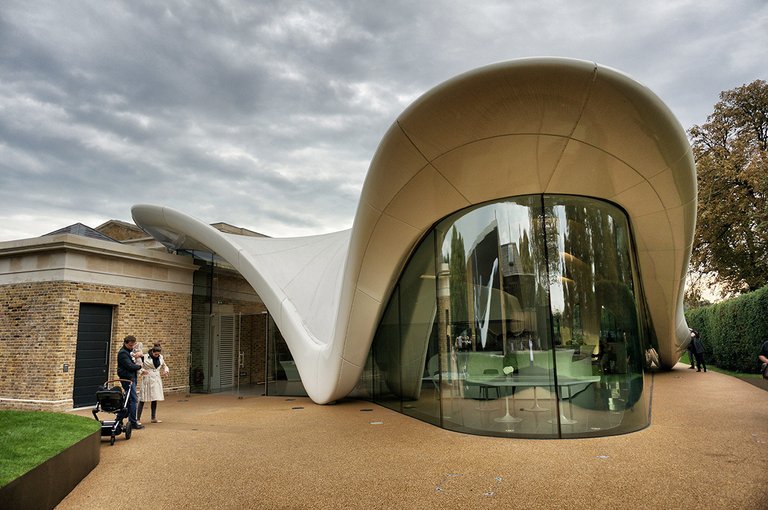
520	317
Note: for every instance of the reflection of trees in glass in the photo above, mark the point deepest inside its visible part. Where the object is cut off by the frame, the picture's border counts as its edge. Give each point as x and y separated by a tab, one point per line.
614	286
596	274
545	244
526	257
581	235
527	270
458	281
576	273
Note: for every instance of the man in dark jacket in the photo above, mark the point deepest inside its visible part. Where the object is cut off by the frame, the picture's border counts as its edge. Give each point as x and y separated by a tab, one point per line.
698	350
692	351
127	368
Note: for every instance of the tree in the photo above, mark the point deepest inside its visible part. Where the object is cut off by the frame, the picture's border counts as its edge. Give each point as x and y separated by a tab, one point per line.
458	282
731	155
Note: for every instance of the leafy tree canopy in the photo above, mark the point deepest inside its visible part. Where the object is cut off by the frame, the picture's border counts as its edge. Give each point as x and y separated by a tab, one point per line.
731	154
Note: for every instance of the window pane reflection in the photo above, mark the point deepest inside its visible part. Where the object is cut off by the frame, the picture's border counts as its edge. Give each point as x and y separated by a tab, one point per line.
595	314
518	318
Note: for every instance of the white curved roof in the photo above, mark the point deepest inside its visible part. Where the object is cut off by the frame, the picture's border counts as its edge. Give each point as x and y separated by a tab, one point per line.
543	125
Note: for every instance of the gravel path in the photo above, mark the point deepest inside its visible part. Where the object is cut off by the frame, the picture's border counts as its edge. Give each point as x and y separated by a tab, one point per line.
707	447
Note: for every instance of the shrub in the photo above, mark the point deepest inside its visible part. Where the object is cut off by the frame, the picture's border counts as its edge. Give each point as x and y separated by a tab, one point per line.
733	330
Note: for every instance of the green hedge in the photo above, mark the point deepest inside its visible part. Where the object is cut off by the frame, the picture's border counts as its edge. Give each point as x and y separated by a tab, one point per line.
733	330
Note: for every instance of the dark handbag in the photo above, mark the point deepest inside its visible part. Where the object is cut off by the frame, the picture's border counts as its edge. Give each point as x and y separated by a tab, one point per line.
765	370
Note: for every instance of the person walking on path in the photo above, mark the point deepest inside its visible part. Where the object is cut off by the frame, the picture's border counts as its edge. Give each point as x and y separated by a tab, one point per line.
128	368
152	382
698	350
763	357
691	352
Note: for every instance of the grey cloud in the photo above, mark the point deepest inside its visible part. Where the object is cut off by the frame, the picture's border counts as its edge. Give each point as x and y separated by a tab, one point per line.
266	114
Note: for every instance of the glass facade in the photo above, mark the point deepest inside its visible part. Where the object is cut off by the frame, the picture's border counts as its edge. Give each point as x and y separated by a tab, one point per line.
522	317
235	345
282	375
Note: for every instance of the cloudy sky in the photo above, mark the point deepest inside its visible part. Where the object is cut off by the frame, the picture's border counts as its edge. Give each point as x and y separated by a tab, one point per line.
265	114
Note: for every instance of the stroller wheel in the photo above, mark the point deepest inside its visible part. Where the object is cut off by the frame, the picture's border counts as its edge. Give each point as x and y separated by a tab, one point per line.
128	430
112	440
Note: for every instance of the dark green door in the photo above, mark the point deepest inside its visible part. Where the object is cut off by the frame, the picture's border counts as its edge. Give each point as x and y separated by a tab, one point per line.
94	330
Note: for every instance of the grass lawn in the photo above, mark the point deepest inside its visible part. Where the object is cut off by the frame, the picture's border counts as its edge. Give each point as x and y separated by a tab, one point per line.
29	438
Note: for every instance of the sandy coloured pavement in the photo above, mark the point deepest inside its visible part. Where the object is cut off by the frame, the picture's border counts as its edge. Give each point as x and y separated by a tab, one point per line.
707	447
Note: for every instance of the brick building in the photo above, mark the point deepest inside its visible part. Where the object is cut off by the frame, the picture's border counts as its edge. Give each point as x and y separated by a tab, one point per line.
67	299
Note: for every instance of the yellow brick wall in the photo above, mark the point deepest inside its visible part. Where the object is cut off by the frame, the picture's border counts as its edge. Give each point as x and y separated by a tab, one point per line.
38	336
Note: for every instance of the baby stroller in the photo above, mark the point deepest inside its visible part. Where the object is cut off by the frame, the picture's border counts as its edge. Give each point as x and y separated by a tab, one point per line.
113	400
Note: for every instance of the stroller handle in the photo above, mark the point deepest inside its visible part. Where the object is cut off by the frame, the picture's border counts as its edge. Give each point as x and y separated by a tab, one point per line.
118	380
